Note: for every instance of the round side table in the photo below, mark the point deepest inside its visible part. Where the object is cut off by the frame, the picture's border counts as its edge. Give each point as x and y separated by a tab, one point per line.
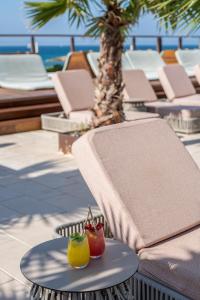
53	278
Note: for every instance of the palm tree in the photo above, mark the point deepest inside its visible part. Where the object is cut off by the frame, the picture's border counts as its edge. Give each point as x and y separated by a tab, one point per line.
109	19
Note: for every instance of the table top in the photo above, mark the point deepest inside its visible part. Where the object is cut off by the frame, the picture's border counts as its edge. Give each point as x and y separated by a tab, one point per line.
46	265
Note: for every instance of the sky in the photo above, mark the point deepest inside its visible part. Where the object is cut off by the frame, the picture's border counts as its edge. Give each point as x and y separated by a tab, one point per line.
13	20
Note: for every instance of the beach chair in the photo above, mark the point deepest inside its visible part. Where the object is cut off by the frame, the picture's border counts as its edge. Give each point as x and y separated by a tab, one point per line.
197	73
188	58
23	72
75	90
150	201
140	94
94	64
179	90
147	60
177	86
137	87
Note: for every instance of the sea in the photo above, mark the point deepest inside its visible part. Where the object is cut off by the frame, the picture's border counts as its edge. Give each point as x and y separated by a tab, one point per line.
49	53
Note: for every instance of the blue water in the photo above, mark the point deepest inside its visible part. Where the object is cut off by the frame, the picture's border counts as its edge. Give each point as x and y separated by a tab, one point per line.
49	52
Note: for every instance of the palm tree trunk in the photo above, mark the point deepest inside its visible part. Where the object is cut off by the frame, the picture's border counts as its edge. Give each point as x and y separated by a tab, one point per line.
109	91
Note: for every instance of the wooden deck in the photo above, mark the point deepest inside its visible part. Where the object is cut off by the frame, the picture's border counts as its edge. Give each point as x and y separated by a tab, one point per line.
21	110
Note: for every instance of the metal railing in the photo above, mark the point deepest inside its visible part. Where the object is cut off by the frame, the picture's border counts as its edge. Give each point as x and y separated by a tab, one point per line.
134	38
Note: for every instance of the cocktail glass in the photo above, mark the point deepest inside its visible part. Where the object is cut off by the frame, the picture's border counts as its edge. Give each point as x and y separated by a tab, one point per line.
96	240
78	251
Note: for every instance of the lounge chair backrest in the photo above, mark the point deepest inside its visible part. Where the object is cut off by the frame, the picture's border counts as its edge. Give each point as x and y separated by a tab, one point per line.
143	179
94	64
175	81
137	87
188	57
197	72
22	68
147	60
67	60
75	90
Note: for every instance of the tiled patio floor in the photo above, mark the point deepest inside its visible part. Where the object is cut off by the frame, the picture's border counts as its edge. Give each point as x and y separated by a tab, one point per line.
40	188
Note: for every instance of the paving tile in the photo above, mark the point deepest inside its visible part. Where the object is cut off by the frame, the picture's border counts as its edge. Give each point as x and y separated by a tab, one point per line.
79	191
27	187
7	214
53	180
69	202
9	179
4	277
10	256
29	206
30	230
14	290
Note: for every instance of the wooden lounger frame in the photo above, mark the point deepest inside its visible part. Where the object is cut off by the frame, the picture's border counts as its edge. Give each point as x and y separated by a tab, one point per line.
21	110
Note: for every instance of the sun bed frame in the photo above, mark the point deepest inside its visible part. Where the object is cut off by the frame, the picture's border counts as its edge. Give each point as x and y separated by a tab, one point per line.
140	286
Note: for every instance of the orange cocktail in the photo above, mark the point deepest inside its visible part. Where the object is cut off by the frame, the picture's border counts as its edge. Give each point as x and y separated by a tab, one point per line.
96	239
78	252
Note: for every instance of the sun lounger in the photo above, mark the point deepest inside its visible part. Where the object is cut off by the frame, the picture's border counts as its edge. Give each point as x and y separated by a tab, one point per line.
93	61
150	203
137	87
147	60
75	91
23	72
177	86
197	73
139	95
188	58
138	90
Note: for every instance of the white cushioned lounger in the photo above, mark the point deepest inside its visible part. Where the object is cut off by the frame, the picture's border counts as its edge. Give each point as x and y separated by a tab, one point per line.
147	60
188	58
23	72
93	61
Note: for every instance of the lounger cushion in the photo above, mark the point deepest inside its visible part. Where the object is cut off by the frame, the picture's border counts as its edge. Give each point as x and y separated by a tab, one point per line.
75	90
143	179
24	72
137	115
189	100
27	86
162	108
147	60
197	72
188	58
84	116
175	263
175	82
137	87
184	111
94	64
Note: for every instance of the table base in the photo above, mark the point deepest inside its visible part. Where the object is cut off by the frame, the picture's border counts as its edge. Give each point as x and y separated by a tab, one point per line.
123	291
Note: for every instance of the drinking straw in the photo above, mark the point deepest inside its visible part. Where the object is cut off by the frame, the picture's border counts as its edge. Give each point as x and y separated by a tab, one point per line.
92	219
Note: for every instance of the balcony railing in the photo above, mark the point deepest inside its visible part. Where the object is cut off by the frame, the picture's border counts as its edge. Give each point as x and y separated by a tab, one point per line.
72	38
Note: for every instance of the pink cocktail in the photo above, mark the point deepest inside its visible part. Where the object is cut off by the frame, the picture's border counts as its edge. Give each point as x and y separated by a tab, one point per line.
96	239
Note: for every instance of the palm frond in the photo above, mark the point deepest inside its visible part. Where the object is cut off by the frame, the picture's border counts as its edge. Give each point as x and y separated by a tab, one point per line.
182	14
42	12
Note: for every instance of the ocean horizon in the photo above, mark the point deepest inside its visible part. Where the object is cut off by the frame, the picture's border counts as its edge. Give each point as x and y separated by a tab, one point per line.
48	53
